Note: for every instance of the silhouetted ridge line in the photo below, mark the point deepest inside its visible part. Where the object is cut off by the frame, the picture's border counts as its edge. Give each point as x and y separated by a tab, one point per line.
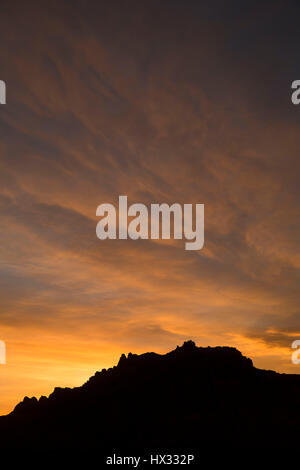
191	397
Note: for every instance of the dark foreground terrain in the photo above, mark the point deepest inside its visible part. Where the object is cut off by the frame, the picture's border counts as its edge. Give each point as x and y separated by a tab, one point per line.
189	398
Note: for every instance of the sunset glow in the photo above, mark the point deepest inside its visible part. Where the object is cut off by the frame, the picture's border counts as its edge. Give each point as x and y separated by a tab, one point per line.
109	101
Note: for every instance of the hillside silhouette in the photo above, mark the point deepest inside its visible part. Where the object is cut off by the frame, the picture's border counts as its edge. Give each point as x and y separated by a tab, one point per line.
189	398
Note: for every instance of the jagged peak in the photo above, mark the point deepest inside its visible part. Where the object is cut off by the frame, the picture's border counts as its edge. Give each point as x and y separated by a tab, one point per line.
188	345
187	355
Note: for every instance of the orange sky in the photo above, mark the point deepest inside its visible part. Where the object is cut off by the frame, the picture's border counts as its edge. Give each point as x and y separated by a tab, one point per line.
162	104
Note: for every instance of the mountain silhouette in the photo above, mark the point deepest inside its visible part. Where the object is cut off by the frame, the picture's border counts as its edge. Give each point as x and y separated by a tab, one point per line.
189	398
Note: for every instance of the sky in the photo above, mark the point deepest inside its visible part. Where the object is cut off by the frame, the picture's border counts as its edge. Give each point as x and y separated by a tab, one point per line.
174	101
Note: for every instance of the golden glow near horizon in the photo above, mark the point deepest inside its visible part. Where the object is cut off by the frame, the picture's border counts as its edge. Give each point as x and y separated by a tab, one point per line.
100	108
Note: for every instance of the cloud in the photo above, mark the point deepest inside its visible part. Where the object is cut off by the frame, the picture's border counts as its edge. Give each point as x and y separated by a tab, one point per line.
177	102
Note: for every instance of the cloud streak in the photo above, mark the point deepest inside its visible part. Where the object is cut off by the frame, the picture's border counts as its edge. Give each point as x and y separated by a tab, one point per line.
163	103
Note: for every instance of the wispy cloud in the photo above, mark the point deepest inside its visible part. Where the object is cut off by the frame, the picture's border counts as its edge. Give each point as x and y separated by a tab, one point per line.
162	103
